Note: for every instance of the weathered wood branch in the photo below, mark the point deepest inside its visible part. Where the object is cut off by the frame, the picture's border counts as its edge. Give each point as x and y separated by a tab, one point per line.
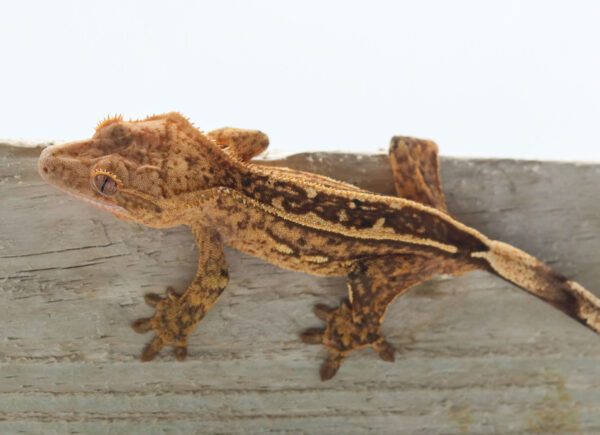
476	354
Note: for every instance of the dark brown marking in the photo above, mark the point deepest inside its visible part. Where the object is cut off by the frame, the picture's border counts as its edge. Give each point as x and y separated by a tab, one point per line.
365	215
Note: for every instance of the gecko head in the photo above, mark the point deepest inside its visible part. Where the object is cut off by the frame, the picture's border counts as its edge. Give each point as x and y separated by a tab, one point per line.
133	169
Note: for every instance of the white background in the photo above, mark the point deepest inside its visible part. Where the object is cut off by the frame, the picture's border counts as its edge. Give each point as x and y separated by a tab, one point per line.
482	78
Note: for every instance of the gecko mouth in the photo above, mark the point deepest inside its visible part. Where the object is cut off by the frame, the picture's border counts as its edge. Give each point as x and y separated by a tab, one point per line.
114	209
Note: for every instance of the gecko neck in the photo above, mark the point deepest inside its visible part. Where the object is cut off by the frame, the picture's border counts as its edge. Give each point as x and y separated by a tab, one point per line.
211	168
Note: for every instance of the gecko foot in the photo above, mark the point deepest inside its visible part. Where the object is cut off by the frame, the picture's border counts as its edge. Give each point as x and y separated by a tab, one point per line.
342	335
172	322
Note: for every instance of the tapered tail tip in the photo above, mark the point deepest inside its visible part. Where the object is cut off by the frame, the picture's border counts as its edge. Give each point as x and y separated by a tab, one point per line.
588	305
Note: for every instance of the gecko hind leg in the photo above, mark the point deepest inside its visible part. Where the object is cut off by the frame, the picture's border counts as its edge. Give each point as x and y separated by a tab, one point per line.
342	335
373	284
415	168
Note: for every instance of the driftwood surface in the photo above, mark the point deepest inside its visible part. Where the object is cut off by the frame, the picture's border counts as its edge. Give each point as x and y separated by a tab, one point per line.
476	355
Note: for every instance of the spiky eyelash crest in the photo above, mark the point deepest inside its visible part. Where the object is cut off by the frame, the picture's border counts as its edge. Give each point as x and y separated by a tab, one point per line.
109	120
109	174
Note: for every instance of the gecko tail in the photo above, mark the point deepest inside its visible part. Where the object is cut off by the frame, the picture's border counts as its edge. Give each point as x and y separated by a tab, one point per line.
539	279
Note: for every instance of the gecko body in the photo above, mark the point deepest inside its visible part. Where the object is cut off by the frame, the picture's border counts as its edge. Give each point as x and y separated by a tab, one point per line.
163	172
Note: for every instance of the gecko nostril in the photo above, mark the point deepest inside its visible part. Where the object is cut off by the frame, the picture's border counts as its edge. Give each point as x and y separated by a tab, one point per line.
45	169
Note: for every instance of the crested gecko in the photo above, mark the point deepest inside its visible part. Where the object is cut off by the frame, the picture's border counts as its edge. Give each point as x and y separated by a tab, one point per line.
162	172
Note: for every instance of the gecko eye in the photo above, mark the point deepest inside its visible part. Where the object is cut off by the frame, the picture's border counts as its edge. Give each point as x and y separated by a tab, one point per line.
105	184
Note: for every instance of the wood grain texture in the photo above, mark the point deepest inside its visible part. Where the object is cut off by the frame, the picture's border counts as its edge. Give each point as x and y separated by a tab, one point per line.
476	354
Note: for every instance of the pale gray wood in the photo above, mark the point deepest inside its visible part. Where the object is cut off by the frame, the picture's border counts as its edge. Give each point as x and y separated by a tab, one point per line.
476	354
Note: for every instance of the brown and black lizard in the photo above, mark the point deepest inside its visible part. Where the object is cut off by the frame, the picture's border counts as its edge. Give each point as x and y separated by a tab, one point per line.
163	172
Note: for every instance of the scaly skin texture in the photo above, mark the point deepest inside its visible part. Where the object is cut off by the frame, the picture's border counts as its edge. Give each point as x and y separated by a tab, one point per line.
163	172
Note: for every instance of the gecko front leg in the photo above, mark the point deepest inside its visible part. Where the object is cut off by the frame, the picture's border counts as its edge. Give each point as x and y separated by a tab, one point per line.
177	316
244	144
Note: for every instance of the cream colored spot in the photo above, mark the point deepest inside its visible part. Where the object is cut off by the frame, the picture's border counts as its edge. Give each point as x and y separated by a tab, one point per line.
378	225
349	292
342	216
284	249
310	192
316	258
351	204
277	202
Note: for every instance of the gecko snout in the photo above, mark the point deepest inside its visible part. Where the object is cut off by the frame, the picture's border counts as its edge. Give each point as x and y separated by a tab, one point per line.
43	162
60	169
48	163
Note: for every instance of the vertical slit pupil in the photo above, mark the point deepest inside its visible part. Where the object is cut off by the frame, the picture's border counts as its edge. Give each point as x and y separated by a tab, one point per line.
105	184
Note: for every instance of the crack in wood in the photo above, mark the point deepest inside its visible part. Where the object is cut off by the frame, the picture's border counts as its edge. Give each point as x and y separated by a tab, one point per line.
59	251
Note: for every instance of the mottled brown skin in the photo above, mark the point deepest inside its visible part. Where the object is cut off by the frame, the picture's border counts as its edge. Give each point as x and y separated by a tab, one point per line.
163	172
